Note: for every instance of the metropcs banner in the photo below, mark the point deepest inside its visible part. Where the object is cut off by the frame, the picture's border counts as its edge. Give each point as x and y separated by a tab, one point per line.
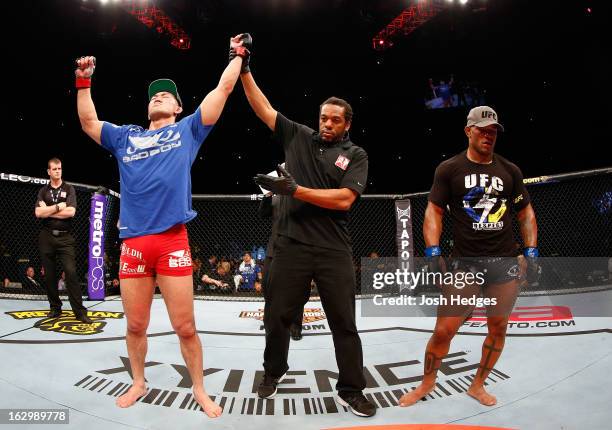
95	271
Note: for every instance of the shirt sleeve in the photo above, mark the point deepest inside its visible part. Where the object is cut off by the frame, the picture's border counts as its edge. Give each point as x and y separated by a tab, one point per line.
199	131
284	130
440	190
71	200
113	136
356	177
520	196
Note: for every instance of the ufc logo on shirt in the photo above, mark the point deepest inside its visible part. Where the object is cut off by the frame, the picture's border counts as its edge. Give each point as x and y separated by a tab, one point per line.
342	162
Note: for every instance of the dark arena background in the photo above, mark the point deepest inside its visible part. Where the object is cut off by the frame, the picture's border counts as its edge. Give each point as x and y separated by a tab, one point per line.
411	69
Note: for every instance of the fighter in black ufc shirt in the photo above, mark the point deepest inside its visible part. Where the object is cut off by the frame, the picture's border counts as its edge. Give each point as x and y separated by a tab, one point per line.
479	188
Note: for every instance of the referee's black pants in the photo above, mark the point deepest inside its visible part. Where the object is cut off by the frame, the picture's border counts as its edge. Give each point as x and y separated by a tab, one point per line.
62	247
265	271
295	264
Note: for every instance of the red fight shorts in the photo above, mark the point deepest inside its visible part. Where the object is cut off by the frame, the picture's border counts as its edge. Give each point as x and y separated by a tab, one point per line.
165	253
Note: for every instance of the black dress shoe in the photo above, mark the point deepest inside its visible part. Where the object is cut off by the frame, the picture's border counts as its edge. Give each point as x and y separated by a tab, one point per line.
84	318
54	313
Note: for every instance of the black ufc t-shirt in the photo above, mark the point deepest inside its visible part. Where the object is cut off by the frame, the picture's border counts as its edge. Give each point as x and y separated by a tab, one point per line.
316	164
480	198
52	196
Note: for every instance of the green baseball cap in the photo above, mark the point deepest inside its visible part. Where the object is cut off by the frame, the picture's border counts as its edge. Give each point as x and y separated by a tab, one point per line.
166	85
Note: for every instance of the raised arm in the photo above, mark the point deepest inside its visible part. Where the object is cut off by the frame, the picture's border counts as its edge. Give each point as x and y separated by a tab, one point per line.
258	101
88	117
214	102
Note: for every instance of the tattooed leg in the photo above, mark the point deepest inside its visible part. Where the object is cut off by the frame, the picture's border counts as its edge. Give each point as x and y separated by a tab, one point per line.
491	351
436	350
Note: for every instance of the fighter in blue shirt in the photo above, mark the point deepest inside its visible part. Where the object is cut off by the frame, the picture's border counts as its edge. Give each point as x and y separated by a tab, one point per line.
154	168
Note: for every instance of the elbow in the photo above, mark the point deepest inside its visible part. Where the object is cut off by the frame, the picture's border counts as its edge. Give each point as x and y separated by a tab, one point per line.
226	87
346	202
86	126
344	205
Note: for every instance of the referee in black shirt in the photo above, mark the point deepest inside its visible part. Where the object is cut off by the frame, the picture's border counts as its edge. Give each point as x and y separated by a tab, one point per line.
56	205
324	173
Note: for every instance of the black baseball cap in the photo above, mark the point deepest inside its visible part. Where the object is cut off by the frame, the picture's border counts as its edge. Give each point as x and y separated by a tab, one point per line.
166	85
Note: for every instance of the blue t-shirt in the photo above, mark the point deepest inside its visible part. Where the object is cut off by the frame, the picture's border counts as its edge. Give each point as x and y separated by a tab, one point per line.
249	274
155	173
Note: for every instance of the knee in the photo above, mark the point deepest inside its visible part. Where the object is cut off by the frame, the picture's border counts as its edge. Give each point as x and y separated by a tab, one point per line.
137	327
498	329
185	329
443	334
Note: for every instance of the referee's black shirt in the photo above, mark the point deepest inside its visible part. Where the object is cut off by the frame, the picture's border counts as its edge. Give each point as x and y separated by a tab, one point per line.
316	164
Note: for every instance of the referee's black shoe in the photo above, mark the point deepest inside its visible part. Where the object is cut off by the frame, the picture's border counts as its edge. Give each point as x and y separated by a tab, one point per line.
54	313
83	318
357	403
267	388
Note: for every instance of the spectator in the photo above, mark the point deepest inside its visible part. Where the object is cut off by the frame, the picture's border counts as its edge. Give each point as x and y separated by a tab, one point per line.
248	274
443	91
29	281
220	278
111	270
61	283
210	265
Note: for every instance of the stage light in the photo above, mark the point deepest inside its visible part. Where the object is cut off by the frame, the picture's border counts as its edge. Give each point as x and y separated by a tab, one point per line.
463	1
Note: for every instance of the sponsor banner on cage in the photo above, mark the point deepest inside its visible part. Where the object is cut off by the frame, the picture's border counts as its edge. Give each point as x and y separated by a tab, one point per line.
23	178
95	271
403	220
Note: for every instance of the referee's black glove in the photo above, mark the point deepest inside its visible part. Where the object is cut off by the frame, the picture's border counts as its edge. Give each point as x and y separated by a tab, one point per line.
283	185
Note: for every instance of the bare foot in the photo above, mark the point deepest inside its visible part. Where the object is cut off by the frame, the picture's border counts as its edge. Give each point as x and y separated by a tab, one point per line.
482	396
129	398
210	408
415	395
